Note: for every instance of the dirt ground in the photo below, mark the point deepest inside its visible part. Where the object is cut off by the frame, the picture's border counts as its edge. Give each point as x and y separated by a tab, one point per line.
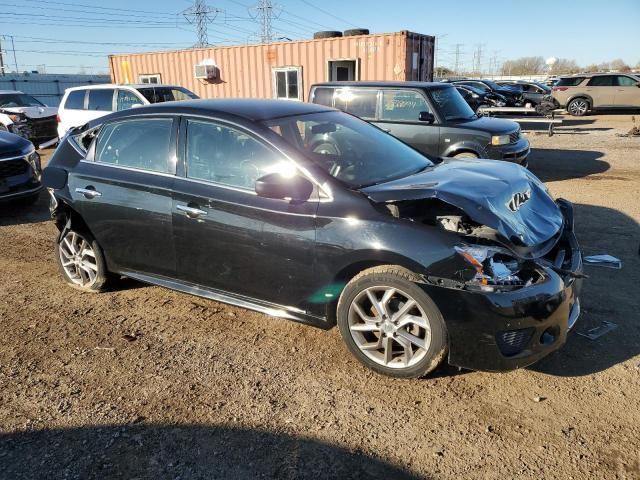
143	382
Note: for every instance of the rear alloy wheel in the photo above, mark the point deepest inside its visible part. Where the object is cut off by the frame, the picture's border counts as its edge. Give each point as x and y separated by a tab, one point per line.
81	262
578	107
390	324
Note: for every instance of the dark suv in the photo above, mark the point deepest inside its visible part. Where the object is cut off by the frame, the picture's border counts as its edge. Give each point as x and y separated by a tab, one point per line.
307	213
431	117
19	169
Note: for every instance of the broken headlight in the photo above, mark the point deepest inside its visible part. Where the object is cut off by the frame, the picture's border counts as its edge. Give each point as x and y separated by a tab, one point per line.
495	268
34	161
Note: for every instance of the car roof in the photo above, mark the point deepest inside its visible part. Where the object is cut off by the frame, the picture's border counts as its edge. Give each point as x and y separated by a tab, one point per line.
599	74
383	84
5	92
121	85
256	110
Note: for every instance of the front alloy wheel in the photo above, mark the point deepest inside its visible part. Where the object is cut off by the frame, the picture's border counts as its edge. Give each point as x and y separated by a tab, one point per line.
389	327
390	324
80	260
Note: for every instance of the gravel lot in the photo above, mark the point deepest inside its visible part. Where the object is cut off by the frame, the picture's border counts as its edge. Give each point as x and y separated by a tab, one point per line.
143	382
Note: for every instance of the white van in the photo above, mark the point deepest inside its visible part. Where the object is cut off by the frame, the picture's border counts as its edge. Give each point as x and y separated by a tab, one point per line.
82	104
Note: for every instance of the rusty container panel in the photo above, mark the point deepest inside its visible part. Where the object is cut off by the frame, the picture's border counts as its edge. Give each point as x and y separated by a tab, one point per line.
246	70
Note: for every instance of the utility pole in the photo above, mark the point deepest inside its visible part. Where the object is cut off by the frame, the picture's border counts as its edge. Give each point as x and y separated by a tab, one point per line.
1	58
478	59
437	47
200	15
264	13
457	64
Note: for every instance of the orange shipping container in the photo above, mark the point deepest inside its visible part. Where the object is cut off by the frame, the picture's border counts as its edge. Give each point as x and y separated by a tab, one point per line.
281	69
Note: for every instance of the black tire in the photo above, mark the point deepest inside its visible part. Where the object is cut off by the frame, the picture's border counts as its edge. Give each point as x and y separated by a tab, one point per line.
102	275
466	155
395	277
327	34
356	31
578	107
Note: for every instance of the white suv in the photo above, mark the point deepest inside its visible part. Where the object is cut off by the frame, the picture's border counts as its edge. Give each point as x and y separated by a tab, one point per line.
82	104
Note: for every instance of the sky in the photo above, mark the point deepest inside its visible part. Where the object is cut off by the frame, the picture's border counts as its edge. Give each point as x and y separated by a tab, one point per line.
72	36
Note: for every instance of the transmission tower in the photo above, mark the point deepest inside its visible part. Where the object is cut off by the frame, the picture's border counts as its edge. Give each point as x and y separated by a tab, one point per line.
264	12
200	15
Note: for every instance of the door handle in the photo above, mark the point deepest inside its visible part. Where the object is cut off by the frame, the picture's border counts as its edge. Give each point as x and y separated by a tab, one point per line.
88	192
191	212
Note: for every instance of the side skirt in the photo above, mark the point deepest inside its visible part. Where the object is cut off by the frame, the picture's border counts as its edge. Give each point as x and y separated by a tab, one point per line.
272	309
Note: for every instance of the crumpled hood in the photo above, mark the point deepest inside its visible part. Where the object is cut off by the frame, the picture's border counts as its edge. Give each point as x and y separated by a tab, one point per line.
33	112
501	195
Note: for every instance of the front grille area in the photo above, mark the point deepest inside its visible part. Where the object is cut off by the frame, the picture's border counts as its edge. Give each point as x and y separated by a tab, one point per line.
11	168
44	127
514	136
512	342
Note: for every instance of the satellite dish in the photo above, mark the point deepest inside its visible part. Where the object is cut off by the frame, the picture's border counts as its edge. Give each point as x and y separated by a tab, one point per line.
551	61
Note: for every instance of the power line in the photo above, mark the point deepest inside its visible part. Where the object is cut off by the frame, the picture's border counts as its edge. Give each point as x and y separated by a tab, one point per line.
328	13
95	7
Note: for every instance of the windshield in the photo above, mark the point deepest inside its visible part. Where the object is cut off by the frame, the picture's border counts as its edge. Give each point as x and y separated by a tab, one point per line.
451	105
19	100
349	149
492	85
166	94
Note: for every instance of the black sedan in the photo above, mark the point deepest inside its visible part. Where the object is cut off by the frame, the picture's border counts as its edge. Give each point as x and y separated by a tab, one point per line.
512	93
19	170
303	212
532	93
477	98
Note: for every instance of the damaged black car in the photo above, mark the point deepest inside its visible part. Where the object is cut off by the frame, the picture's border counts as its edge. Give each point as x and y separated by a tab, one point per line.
28	117
303	212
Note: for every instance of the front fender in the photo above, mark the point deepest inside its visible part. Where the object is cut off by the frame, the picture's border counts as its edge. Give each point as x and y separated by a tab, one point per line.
465	146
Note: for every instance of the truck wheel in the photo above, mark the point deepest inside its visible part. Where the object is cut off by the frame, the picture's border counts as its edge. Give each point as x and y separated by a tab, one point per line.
390	324
578	107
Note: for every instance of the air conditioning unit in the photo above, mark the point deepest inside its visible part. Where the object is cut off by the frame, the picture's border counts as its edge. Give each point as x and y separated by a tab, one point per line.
206	70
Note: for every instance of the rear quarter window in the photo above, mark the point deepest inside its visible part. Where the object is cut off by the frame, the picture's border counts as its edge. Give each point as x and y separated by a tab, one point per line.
75	100
569	82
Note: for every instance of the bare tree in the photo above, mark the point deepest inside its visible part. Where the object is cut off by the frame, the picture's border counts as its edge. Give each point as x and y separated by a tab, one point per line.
524	66
565	65
619	65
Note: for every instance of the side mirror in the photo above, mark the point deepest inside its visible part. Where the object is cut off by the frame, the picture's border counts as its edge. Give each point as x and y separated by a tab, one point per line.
275	185
426	117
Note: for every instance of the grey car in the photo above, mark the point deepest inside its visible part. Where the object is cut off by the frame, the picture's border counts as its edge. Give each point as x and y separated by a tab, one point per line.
431	117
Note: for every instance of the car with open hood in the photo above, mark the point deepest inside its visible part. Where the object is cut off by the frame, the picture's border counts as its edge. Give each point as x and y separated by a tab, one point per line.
431	117
28	117
304	212
20	170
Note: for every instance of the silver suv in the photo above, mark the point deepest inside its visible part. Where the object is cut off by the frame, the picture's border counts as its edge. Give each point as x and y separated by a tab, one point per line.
591	91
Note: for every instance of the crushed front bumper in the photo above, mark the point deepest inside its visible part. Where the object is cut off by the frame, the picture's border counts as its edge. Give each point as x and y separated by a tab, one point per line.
517	152
497	331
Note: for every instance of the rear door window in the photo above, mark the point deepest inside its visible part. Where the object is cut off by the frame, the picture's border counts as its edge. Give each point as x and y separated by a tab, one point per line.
75	100
141	143
359	102
569	82
403	105
101	99
602	81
